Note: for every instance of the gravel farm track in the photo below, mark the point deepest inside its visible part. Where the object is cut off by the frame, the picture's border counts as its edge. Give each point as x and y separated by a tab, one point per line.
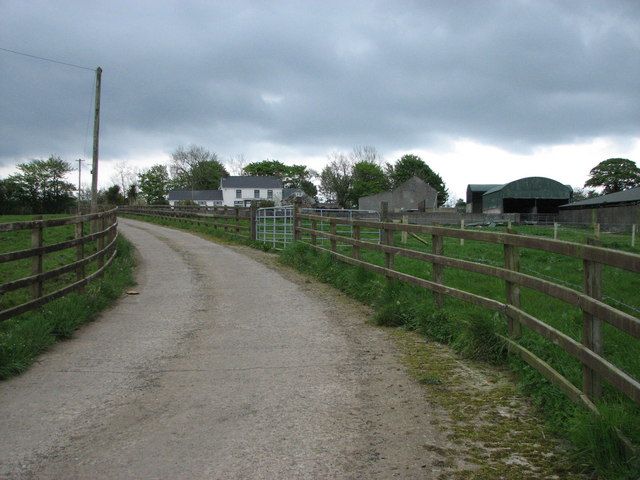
225	365
220	368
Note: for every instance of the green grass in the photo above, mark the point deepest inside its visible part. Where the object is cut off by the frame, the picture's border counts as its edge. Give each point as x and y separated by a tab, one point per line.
24	337
21	240
473	332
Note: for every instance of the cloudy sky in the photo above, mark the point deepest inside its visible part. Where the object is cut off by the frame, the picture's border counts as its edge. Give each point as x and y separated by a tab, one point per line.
485	91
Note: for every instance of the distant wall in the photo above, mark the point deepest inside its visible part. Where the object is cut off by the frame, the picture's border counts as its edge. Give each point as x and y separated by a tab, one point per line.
605	216
453	218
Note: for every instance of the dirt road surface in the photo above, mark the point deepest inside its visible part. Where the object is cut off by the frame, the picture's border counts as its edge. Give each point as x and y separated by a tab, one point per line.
222	367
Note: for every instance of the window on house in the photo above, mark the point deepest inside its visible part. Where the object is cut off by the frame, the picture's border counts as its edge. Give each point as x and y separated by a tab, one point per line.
269	194
238	203
256	194
238	193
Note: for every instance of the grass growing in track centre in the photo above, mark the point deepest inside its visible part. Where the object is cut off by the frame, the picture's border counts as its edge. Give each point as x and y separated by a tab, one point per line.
24	337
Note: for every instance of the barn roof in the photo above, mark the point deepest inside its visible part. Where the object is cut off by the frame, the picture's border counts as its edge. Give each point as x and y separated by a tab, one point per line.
481	187
631	195
532	187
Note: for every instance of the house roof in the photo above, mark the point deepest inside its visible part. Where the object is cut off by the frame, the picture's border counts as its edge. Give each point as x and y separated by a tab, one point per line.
631	195
195	195
248	181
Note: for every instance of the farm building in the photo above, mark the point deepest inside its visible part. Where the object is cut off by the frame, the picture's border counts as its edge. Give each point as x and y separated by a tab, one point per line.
414	194
526	195
620	208
474	195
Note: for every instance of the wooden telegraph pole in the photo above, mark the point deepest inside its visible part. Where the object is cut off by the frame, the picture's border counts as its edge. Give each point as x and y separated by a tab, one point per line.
96	133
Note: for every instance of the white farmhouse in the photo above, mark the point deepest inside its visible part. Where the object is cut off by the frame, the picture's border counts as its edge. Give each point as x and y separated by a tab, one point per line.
240	191
237	191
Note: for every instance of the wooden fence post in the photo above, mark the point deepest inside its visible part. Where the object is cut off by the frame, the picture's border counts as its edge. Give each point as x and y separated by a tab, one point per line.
555	230
253	222
101	223
462	228
634	228
512	262
437	248
355	251
237	220
79	233
37	260
404	236
225	223
596	231
592	326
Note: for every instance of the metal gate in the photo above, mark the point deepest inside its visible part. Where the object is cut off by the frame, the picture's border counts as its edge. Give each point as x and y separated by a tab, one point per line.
274	225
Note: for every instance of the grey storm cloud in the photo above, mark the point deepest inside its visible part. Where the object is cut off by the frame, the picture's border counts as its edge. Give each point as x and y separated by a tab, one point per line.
392	74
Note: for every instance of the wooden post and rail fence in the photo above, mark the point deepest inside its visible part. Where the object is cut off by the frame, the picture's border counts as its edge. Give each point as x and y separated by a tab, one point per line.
102	233
237	221
588	351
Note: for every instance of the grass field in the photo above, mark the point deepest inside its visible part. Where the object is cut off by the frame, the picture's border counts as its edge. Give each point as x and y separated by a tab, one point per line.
24	337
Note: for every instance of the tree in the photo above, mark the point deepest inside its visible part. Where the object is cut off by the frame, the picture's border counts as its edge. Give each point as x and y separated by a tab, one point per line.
132	193
196	169
366	153
41	185
335	180
292	176
461	206
408	166
112	195
153	184
367	178
614	175
124	176
580	193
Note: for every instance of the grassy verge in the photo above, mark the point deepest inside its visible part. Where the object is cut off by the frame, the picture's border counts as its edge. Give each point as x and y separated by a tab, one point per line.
473	333
24	337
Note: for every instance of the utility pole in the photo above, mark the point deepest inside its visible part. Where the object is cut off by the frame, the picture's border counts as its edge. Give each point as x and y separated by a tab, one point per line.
79	181
96	134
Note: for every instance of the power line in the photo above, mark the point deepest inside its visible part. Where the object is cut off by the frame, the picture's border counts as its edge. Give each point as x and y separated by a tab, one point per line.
48	59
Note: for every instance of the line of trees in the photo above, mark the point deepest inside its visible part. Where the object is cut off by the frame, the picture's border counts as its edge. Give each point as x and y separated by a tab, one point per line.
38	187
347	177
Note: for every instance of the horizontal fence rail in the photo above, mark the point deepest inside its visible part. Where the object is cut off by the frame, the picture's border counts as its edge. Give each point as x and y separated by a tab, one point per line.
588	351
237	221
102	238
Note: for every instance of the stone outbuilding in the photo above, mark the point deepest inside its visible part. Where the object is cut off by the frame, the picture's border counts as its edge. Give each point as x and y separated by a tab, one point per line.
414	194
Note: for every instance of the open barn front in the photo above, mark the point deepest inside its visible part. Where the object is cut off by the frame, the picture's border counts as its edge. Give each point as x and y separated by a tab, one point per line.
532	205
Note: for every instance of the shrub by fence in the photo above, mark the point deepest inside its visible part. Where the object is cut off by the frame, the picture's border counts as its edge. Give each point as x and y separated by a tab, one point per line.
93	239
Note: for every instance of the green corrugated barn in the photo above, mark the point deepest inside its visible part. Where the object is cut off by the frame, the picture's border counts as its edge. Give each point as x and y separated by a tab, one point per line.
526	195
